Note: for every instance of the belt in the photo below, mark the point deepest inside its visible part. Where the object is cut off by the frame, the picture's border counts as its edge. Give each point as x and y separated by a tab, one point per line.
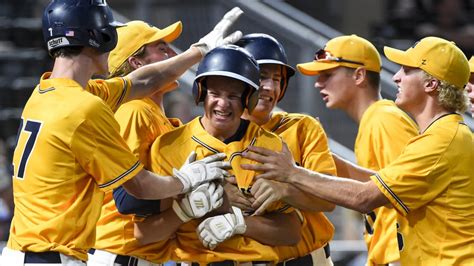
42	257
300	261
229	263
121	259
306	260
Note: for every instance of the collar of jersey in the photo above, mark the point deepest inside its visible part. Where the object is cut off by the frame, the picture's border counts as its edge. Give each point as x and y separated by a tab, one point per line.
46	82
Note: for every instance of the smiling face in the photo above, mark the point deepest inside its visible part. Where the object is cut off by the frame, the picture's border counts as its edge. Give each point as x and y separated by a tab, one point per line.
336	87
470	93
223	106
269	91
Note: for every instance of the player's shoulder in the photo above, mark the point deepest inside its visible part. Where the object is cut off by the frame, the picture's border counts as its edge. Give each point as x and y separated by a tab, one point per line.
261	133
300	120
386	113
387	108
174	138
116	81
136	106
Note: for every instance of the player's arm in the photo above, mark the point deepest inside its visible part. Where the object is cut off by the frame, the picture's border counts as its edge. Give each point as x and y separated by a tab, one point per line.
159	74
127	204
202	200
271	229
147	185
267	191
302	200
349	169
346	192
274	229
157	227
314	155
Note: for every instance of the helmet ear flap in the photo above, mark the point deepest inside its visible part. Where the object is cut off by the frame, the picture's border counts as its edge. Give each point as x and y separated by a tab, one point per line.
199	90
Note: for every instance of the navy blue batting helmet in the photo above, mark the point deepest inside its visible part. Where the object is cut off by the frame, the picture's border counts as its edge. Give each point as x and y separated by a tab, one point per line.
229	61
267	50
79	23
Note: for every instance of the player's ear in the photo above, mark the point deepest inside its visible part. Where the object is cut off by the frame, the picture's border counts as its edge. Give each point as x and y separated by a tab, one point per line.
134	62
359	75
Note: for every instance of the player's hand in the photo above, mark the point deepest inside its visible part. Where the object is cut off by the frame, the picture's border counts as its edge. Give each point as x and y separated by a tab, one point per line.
216	36
203	199
193	173
236	197
265	192
217	229
275	165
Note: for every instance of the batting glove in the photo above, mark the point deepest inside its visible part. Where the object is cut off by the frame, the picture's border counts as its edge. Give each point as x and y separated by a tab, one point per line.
217	229
216	36
203	199
194	173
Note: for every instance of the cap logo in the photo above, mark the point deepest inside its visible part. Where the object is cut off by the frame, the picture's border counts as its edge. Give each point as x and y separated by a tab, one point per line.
423	61
60	41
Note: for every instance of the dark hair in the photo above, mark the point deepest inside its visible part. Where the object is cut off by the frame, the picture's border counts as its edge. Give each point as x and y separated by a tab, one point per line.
374	79
66	51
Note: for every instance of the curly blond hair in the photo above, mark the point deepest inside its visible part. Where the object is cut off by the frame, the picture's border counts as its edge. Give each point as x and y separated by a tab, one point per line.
451	97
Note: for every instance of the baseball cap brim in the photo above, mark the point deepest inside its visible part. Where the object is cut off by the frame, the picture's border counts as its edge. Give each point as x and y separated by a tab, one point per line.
168	34
398	56
314	68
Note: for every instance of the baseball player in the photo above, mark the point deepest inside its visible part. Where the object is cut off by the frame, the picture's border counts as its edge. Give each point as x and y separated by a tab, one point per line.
351	82
141	121
69	149
470	85
308	143
430	182
226	82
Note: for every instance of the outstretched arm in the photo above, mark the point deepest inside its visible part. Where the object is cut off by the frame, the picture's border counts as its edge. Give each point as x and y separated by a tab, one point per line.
349	193
154	76
268	191
349	169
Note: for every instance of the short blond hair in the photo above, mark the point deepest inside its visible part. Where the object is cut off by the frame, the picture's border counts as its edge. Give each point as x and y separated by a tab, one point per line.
450	96
126	68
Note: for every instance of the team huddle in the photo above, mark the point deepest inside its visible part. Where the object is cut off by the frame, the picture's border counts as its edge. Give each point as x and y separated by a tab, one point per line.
101	176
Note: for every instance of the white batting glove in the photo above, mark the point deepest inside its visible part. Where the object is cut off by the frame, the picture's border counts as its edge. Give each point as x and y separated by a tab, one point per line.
216	36
203	199
217	229
193	173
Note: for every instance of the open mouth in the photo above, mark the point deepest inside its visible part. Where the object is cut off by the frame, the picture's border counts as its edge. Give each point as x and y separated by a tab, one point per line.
325	96
265	98
221	114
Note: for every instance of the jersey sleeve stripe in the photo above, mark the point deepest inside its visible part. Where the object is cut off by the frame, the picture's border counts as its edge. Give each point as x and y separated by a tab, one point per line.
124	92
394	196
115	180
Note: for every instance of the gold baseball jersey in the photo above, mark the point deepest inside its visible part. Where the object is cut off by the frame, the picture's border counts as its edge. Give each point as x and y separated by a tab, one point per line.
69	151
309	145
432	184
384	131
165	155
141	122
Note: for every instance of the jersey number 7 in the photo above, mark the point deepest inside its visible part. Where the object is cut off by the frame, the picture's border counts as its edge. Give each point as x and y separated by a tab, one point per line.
32	128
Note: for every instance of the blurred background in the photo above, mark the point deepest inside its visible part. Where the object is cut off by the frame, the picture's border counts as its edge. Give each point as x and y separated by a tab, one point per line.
302	26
